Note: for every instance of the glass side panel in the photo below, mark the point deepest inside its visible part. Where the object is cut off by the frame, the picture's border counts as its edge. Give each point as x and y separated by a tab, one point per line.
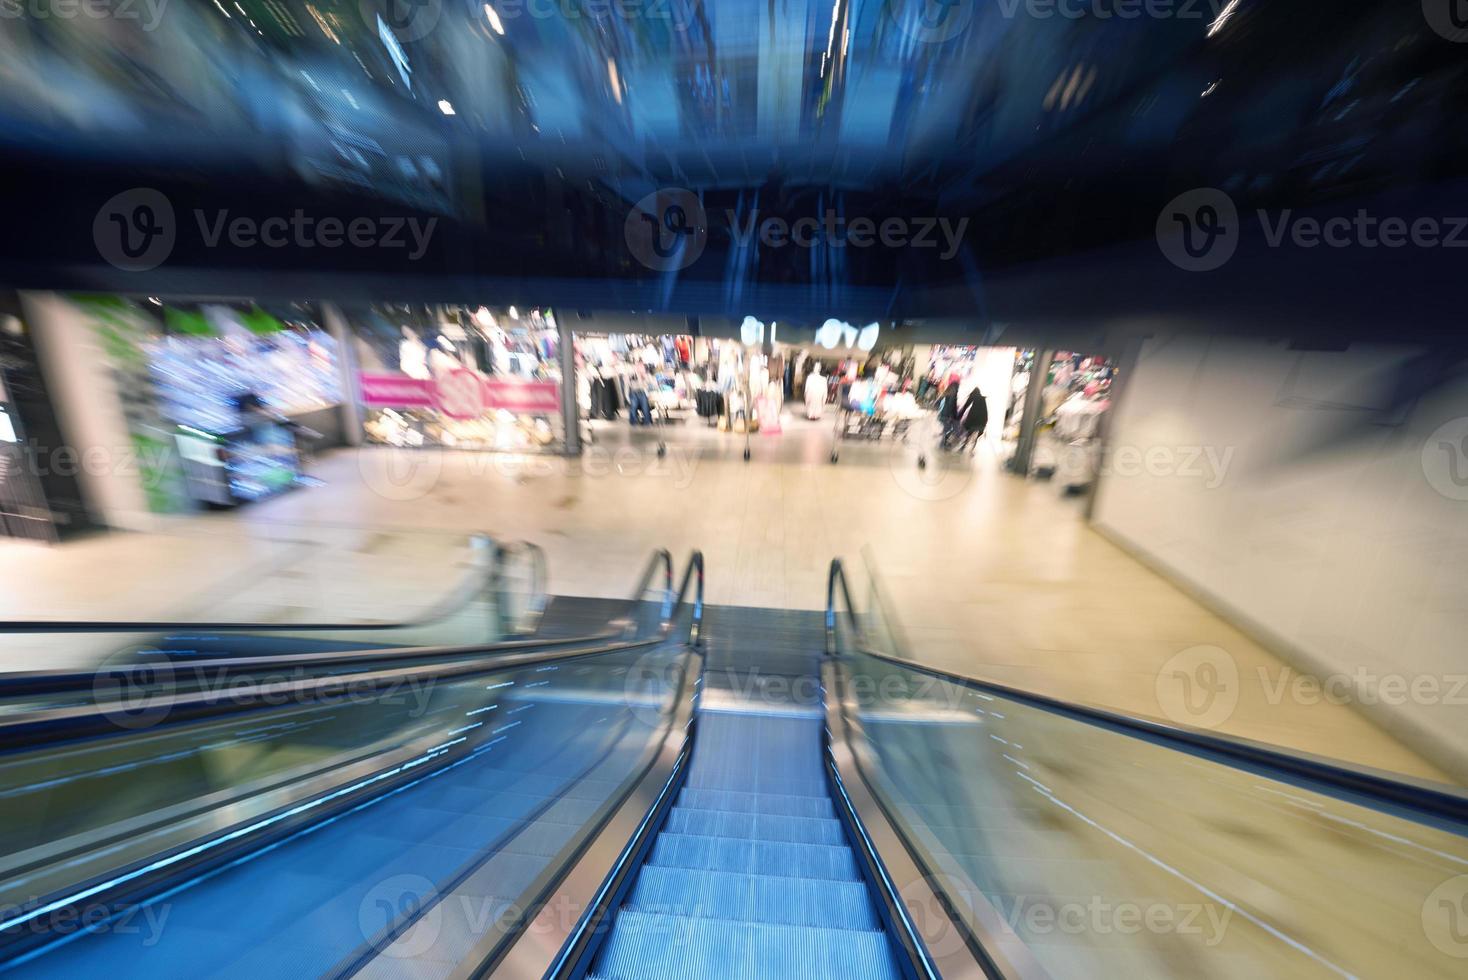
1109	855
518	761
387	588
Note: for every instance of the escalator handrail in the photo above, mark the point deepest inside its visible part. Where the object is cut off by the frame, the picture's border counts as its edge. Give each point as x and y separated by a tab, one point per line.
473	584
323	788
1374	788
483	963
23	683
540	587
445	661
695	566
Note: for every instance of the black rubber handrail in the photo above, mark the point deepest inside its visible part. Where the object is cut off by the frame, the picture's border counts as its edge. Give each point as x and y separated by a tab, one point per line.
1370	787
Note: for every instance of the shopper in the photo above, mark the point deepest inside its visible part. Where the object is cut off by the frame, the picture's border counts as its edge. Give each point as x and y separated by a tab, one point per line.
639	409
948	413
975	415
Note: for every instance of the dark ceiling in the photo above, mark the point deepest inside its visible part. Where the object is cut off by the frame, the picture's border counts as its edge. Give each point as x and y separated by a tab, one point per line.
1042	137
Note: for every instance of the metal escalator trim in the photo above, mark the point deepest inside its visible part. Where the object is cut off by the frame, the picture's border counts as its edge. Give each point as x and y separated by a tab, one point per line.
604	863
40	727
1375	789
36	682
52	682
922	916
377	945
544	942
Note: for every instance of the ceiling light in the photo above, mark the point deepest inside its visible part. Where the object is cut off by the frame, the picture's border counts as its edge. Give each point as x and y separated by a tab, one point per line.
494	20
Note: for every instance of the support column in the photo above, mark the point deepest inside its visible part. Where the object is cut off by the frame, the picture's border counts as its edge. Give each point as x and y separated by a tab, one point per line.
346	366
570	412
1034	399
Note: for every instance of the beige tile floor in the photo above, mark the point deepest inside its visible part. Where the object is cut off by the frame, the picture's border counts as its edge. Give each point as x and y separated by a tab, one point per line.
993	576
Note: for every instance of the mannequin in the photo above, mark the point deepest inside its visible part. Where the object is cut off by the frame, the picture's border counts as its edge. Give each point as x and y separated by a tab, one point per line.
815	392
413	356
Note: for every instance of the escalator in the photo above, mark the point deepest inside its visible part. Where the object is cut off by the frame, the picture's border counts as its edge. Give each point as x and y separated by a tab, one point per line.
717	792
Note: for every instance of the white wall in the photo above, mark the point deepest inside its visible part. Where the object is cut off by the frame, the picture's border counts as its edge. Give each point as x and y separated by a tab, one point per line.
84	392
1327	519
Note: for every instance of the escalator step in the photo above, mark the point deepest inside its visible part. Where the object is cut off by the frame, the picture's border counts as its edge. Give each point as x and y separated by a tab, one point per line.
753	898
754	857
647	946
814	787
773	803
717	823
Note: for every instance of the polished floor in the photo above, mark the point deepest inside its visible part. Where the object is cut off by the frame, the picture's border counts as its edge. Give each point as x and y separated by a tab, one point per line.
993	575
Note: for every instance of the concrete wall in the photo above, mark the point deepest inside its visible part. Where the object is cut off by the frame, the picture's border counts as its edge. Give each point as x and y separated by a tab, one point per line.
1318	499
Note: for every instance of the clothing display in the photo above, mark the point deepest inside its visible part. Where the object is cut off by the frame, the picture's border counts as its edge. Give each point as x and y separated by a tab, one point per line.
469	358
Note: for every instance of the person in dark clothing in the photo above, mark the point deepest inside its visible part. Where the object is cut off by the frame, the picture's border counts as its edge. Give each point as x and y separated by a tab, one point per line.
975	415
948	412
